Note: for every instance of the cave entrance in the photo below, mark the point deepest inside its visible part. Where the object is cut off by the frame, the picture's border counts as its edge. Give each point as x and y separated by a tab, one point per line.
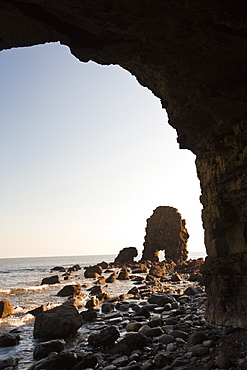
88	156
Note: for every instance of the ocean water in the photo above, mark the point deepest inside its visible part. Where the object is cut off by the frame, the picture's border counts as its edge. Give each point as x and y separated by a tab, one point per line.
20	283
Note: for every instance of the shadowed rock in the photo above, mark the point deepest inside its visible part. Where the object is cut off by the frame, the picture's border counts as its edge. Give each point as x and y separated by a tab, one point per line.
51	280
9	339
126	255
59	322
42	350
165	231
93	271
10	363
69	290
38	310
129	343
105	337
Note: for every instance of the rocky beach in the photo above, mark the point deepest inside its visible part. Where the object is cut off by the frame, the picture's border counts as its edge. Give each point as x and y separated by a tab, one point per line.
157	322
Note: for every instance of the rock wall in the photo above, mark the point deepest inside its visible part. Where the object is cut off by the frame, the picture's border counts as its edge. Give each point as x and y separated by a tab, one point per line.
226	286
165	231
192	55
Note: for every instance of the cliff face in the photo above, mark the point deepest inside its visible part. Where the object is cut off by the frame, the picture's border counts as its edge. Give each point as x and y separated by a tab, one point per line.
190	54
166	231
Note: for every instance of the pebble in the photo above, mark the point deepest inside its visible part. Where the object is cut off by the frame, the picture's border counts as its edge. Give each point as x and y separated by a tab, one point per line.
223	361
166	339
199	350
179	334
121	361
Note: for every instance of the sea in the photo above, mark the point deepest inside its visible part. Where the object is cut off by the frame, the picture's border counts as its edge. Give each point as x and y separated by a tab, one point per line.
20	284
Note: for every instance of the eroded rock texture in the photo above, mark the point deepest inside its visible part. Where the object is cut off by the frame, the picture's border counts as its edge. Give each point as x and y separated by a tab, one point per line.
226	282
166	231
190	54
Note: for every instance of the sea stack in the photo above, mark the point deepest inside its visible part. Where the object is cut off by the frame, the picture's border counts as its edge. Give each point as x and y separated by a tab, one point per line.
166	231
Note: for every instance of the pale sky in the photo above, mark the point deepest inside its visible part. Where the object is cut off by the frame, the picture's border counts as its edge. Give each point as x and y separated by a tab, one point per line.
86	155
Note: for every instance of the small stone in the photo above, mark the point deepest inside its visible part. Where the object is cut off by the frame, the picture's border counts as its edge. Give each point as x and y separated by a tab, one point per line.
121	361
148	365
191	291
199	350
171	347
142	312
133	326
93	302
166	339
228	330
197	338
51	280
168	307
223	361
179	334
89	315
144	329
162	359
131	367
130	342
110	367
180	341
154	332
107	308
176	277
155	322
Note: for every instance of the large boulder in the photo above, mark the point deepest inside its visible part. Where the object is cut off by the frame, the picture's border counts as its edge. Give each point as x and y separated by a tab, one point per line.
105	337
97	291
123	275
6	308
93	271
157	270
10	363
74	268
126	255
166	231
112	278
69	290
129	343
89	315
51	280
59	269
9	339
43	349
63	360
59	322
